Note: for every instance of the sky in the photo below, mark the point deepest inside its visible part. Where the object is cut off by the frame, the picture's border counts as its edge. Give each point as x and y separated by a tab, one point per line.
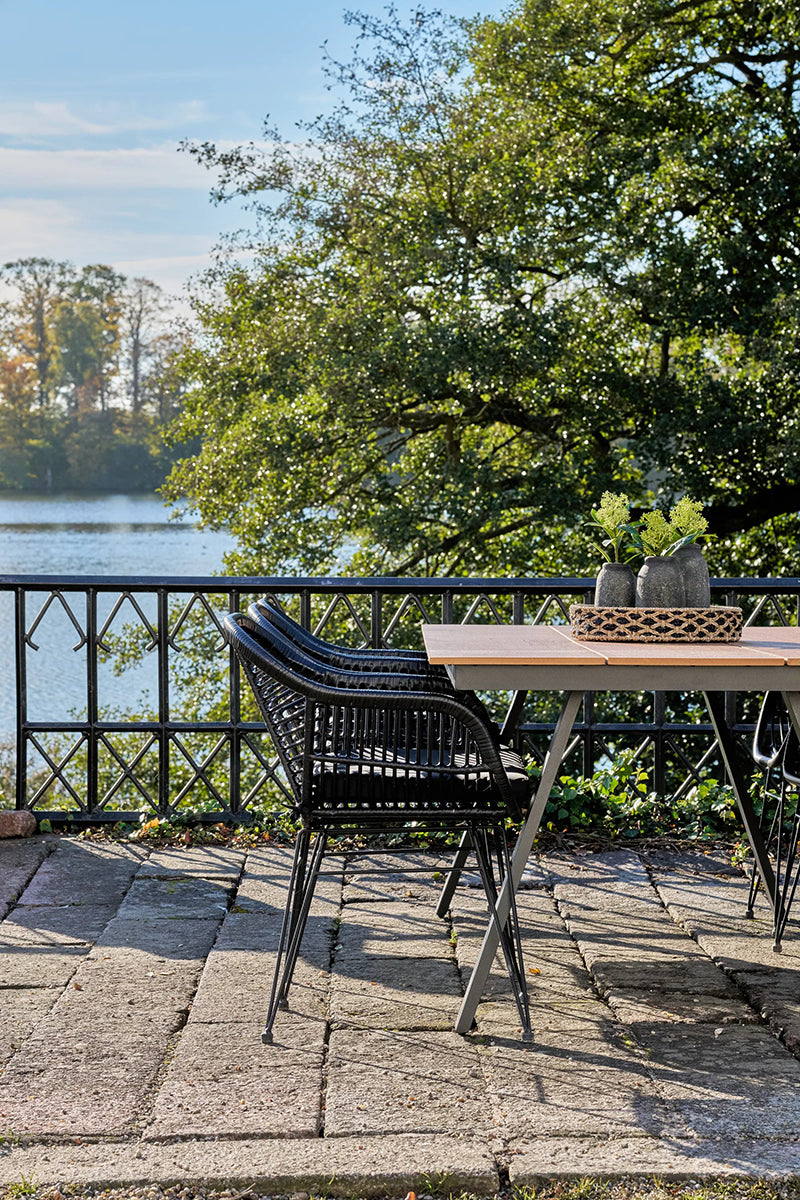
96	96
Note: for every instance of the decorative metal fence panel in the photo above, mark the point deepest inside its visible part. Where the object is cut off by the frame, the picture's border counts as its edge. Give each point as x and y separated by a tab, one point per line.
86	750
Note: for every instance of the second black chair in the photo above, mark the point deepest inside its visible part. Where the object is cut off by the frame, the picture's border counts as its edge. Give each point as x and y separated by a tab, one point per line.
777	752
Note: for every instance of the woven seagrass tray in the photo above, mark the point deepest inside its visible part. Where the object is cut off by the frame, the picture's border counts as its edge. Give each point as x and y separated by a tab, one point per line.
715	624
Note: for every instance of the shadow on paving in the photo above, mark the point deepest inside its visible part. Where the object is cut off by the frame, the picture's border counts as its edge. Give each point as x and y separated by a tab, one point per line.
134	984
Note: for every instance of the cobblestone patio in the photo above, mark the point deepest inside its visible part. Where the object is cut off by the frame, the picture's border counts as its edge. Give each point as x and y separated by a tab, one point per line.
133	985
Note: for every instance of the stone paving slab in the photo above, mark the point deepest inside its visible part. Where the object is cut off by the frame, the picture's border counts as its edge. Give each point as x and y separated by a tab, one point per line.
709	903
390	880
552	961
84	873
44	925
624	934
394	929
725	1080
349	1166
656	1005
19	861
261	931
546	1159
265	879
244	1088
41	966
775	995
613	881
542	928
572	1079
393	993
401	1082
92	1079
191	899
202	862
22	1010
236	984
499	1018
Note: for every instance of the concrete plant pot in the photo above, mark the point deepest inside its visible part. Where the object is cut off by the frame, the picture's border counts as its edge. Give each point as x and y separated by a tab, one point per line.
660	584
615	587
694	569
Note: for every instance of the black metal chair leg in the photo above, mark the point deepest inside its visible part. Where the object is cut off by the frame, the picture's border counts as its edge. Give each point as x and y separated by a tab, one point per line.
516	933
297	932
791	877
295	915
295	883
454	874
755	878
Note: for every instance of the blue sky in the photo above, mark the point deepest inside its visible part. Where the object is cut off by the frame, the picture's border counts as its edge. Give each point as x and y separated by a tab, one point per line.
95	97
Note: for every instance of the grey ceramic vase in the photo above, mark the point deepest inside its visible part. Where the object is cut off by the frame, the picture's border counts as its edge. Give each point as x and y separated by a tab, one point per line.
659	584
615	587
694	569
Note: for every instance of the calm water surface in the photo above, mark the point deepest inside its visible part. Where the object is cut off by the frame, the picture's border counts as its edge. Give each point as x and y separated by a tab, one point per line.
87	535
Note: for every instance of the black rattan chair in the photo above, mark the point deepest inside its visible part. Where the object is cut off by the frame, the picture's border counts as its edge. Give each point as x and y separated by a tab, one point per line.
777	753
378	758
364	662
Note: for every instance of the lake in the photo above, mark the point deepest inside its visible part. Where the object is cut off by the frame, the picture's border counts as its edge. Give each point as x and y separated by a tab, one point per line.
86	535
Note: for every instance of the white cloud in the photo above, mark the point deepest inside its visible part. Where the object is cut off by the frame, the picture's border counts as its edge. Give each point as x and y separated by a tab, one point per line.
41	119
162	166
35	226
55	170
57	229
169	271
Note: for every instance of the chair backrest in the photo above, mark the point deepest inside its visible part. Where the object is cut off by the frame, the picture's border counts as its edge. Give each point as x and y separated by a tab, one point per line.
341	667
345	657
282	704
389	669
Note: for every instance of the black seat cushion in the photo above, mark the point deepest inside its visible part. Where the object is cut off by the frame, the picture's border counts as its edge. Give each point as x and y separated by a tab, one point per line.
389	787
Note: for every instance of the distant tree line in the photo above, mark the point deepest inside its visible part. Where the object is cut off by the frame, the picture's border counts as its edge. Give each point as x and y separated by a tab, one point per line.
87	378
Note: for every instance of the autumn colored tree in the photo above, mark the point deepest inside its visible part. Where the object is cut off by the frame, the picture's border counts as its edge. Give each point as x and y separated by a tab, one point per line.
82	353
40	284
142	312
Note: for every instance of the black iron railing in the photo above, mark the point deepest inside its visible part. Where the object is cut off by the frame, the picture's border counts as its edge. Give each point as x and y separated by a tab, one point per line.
193	743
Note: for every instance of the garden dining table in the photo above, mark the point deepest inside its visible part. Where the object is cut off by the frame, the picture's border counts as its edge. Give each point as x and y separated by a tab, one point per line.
523	658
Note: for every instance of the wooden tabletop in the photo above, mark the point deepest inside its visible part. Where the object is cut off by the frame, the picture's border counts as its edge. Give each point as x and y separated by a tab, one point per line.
552	645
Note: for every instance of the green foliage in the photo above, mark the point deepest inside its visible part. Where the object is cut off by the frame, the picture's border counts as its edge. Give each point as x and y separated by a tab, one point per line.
656	535
524	262
686	518
618	801
26	1185
612	517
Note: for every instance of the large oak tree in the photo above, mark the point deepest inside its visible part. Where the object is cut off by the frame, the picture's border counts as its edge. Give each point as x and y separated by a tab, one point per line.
523	261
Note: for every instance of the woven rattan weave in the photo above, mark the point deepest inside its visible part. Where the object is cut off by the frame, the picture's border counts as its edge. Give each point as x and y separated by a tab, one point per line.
715	624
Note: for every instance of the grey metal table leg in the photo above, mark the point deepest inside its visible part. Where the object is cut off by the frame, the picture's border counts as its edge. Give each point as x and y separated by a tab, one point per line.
457	866
716	710
555	753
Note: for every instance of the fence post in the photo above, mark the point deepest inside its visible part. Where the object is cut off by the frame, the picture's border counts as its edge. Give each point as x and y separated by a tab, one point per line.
163	701
21	697
235	716
93	733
